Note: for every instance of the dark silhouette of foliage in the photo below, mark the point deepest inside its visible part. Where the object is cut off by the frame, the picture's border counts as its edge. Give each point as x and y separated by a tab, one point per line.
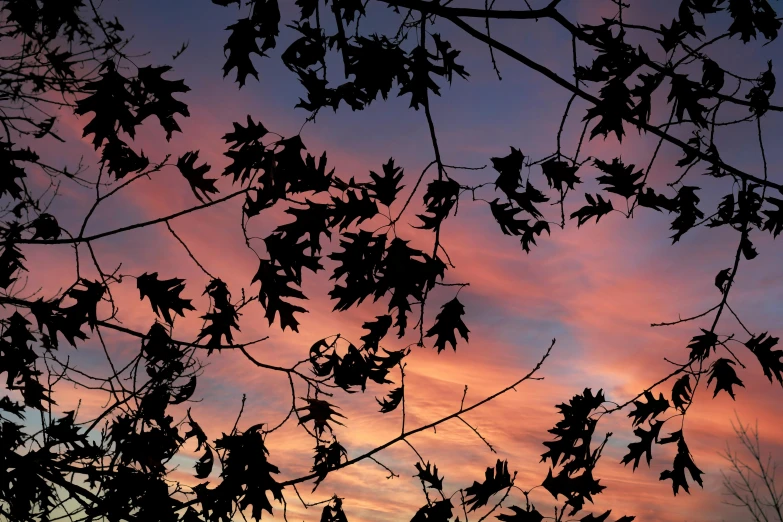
446	322
682	392
68	55
521	515
651	409
682	462
495	480
163	295
725	376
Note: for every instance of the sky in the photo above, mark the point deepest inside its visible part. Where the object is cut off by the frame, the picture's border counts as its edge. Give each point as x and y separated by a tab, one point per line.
595	289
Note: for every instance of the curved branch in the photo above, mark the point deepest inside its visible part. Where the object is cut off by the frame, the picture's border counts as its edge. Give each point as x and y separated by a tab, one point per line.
83	239
403	436
592	99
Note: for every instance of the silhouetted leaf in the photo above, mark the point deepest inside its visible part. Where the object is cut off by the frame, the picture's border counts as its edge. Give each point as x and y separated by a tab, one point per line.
310	222
155	98
222	318
759	94
406	273
345	212
595	208
702	345
290	256
248	472
240	45
440	198
774	222
648	198
55	321
12	407
274	287
750	16
11	171
510	170
327	458
747	248
376	62
120	160
419	81
687	211
576	488
358	264
495	480
184	392
447	57
725	377
17	361
559	173
686	95
62	67
619	177
526	199
713	76
321	413
377	330
690	153
204	464
351	370
722	278
650	83
306	51
504	214
770	360
378	367
446	322
11	258
111	103
615	102
574	430
195	175
87	295
649	410
384	188
673	437
637	449
196	431
163	295
394	398
429	476
682	462
521	515
243	136
681	392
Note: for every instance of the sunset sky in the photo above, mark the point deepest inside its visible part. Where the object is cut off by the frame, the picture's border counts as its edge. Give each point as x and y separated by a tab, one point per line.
595	289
